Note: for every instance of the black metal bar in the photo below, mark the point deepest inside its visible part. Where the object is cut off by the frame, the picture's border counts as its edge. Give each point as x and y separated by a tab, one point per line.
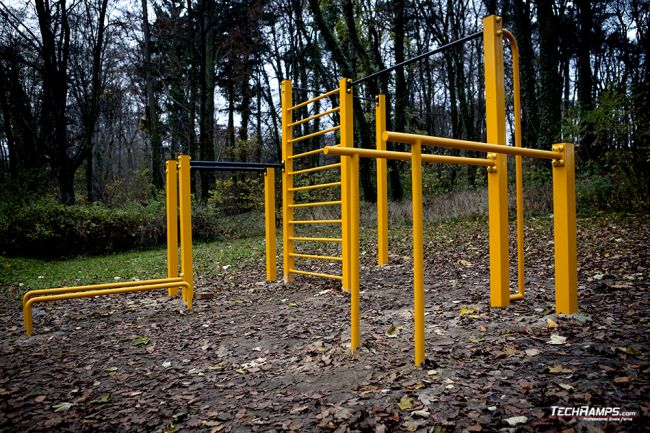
418	57
309	90
219	168
236	164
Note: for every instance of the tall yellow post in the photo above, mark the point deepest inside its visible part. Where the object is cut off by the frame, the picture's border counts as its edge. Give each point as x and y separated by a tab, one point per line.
347	140
382	183
564	225
172	223
185	204
287	181
355	319
497	175
418	251
269	219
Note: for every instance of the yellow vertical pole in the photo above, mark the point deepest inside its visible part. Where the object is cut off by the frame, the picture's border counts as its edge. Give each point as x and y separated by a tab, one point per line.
564	225
497	175
269	219
347	140
287	181
382	183
172	223
418	252
185	204
355	332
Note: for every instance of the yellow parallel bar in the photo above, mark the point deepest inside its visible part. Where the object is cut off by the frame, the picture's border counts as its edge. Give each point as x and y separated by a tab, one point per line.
315	222
315	134
382	182
315	274
287	181
355	315
315	116
27	310
403	137
269	222
347	139
303	239
314	99
418	252
318	186
185	202
564	225
317	203
406	156
317	257
313	169
300	155
519	188
498	175
171	187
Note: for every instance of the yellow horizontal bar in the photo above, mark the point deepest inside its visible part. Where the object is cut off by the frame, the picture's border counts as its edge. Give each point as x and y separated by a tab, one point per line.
74	289
315	222
318	186
403	137
315	134
406	156
315	116
299	239
313	169
316	257
516	297
317	203
316	274
314	99
309	152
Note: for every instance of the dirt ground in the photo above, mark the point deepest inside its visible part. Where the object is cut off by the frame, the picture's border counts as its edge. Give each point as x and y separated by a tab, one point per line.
256	356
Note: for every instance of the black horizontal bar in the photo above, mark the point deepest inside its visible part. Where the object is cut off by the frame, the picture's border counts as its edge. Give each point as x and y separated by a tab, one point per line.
220	168
236	164
418	57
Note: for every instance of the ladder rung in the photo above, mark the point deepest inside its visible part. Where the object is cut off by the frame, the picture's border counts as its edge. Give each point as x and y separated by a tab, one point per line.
320	185
299	239
316	274
315	222
316	257
315	116
317	203
315	134
313	169
309	152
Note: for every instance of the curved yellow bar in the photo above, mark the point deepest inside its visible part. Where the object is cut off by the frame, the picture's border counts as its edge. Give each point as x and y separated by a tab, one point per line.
312	100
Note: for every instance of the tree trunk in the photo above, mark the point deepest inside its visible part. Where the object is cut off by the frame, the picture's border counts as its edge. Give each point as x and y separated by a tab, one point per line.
395	183
550	98
530	116
207	85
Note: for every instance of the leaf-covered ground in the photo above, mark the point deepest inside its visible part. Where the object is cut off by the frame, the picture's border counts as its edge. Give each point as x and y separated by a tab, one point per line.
256	356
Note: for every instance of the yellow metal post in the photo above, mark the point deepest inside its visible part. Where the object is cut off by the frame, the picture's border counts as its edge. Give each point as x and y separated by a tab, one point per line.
287	181
172	223
418	252
347	140
269	218
185	204
382	183
355	332
564	225
497	175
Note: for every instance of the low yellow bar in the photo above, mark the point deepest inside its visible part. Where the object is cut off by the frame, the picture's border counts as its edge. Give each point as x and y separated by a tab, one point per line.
315	116
315	134
355	265
316	274
516	296
303	239
382	183
303	154
316	257
318	186
406	156
313	169
418	253
403	137
317	203
315	222
314	99
171	187
27	311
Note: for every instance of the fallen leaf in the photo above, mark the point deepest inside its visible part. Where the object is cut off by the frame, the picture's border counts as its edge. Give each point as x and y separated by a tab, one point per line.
422	413
559	369
40	398
550	323
556	339
167	364
293	305
62	407
140	341
432	373
104	398
532	352
622	379
405	403
410	426
515	420
566	386
464	310
477	339
392	331
465	262
110	369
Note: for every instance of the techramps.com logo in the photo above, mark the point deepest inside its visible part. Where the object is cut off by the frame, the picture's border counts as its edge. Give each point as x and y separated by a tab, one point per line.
589	413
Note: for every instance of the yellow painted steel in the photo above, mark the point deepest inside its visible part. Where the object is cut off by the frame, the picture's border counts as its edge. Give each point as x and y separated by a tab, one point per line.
301	155
312	100
315	134
316	203
497	175
519	188
185	206
406	156
564	225
313	169
27	309
307	239
317	257
316	274
347	140
318	186
382	183
315	222
418	252
172	222
315	116
287	181
269	220
355	315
